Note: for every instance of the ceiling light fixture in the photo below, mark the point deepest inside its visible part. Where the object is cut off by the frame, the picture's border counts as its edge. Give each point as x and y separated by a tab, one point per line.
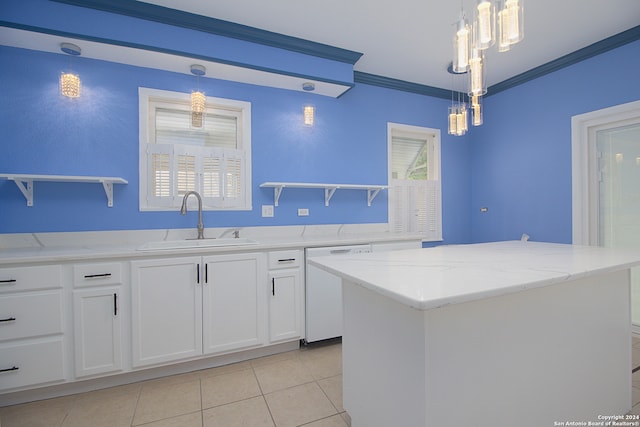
469	44
69	82
198	99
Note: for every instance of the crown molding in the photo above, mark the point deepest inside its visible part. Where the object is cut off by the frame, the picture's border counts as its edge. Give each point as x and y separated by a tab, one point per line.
391	83
585	53
164	15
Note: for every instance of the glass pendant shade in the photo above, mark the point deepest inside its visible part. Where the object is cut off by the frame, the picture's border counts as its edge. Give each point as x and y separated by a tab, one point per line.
503	32
461	42
477	85
309	115
70	85
510	24
476	110
198	106
453	122
485	23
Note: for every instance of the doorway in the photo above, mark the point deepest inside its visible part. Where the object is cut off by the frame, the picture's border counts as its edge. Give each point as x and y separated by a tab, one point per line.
606	184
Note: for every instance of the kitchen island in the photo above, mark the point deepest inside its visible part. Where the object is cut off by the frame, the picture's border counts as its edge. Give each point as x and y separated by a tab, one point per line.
494	334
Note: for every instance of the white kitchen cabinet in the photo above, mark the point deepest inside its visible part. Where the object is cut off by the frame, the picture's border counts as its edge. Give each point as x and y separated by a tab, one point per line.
166	306
233	310
285	295
97	331
97	318
31	326
185	307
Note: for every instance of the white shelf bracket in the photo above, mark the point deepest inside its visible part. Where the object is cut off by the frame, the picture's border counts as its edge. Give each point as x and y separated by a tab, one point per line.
26	191
371	194
276	194
328	194
108	189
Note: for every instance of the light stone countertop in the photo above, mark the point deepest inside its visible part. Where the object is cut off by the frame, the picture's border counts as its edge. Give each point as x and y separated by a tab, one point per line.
17	249
434	277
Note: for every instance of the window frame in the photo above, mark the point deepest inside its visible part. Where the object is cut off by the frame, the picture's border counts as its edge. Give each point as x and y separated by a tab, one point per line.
149	99
432	186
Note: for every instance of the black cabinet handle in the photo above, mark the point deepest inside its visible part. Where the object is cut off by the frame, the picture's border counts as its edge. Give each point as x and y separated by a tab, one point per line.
97	276
206	273
115	304
8	281
8	319
14	368
287	260
273	286
198	272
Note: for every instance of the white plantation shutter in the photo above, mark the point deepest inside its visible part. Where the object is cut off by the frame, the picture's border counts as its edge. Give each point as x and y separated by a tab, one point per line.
211	160
414	185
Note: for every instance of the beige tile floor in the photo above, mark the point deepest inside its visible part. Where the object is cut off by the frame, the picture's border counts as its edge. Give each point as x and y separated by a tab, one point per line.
298	388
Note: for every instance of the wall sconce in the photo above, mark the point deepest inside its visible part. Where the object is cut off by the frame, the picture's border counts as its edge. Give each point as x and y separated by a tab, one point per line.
198	99
309	115
69	82
309	111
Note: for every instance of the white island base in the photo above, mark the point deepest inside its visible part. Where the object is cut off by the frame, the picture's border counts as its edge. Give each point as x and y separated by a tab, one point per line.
532	358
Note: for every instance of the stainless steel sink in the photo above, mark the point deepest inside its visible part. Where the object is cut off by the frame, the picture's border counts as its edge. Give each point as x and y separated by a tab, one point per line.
195	243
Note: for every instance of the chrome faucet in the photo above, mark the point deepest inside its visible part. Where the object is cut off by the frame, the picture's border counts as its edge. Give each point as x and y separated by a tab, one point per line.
183	211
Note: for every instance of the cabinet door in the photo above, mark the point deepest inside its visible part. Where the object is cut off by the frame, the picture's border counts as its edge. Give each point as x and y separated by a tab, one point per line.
234	313
166	305
284	305
97	331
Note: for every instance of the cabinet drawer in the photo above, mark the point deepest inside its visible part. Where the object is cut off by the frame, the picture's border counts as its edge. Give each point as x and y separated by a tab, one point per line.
29	278
31	363
97	274
285	259
30	315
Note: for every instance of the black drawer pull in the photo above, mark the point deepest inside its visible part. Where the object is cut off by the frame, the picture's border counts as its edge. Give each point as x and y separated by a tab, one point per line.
8	319
96	276
8	281
14	368
287	260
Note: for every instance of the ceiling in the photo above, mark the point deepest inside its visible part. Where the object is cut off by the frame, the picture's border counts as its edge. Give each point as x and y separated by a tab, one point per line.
411	40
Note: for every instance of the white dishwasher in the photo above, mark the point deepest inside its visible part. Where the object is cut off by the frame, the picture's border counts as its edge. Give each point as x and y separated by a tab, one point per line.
324	294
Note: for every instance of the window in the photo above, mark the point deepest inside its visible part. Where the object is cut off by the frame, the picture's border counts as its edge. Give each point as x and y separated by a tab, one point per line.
214	160
414	180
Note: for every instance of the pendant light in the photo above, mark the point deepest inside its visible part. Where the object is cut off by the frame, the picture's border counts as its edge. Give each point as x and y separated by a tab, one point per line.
198	99
494	21
485	23
461	45
69	82
476	110
511	23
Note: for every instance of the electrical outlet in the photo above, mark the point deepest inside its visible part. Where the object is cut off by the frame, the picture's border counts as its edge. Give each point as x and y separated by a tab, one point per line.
303	212
267	211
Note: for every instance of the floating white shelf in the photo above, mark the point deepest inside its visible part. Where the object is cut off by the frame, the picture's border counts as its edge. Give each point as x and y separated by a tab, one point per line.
25	183
329	189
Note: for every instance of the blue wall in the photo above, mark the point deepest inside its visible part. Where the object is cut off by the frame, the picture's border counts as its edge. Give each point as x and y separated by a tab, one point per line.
522	153
97	134
518	164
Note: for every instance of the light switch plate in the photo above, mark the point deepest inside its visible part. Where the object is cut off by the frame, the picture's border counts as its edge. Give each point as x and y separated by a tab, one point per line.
267	211
303	212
